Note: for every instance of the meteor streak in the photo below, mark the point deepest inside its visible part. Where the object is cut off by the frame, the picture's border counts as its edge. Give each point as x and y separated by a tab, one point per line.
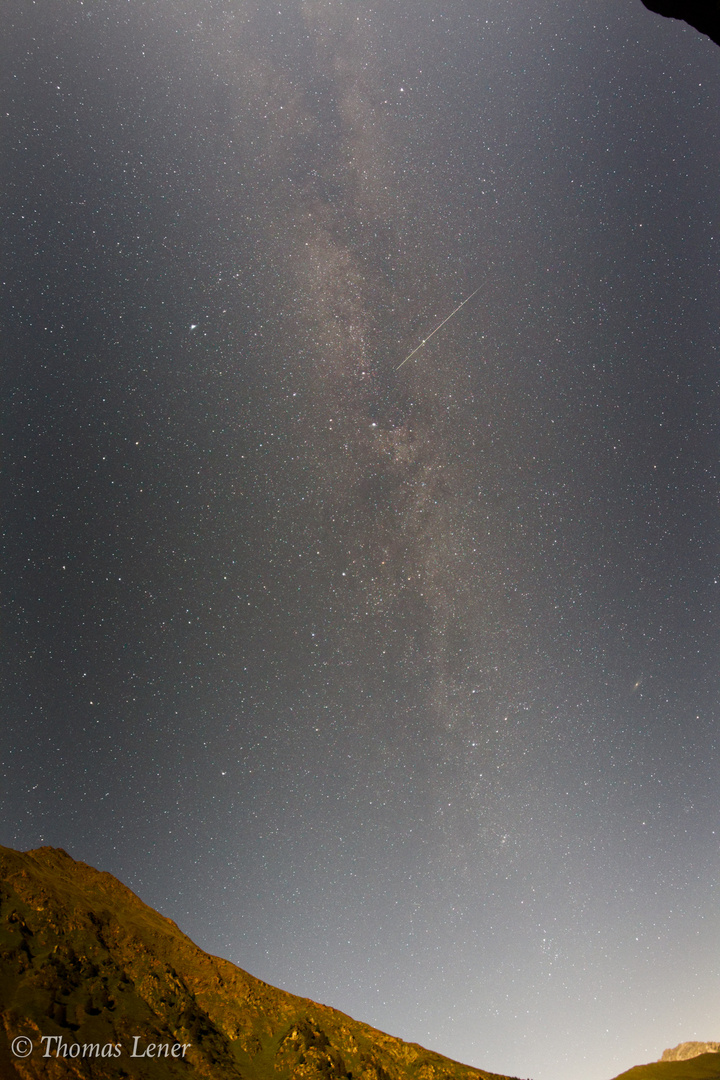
425	340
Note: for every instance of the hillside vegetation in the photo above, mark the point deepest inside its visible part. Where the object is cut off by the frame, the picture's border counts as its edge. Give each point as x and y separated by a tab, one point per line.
704	1067
87	965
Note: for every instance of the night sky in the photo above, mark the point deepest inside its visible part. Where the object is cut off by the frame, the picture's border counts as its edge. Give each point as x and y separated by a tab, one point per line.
398	688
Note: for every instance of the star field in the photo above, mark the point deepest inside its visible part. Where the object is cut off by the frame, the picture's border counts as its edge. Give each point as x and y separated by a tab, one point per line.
396	687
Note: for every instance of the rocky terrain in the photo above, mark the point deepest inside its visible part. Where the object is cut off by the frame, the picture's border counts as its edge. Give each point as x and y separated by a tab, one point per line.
103	987
685	1051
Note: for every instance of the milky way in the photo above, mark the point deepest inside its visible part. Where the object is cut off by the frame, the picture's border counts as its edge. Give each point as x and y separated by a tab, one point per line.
394	683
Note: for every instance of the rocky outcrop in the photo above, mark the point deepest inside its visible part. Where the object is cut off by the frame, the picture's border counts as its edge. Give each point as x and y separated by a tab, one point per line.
95	985
685	1051
704	15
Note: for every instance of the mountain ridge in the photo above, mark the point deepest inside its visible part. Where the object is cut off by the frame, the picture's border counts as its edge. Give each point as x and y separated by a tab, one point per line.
702	1067
85	963
704	16
687	1050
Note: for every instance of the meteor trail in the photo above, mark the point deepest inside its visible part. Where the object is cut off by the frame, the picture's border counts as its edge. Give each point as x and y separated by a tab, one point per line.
425	340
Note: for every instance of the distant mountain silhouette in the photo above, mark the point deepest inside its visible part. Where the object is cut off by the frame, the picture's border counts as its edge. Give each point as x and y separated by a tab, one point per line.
89	974
704	15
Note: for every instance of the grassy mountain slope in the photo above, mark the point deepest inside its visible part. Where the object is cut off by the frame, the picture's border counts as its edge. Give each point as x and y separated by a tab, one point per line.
704	1067
84	960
